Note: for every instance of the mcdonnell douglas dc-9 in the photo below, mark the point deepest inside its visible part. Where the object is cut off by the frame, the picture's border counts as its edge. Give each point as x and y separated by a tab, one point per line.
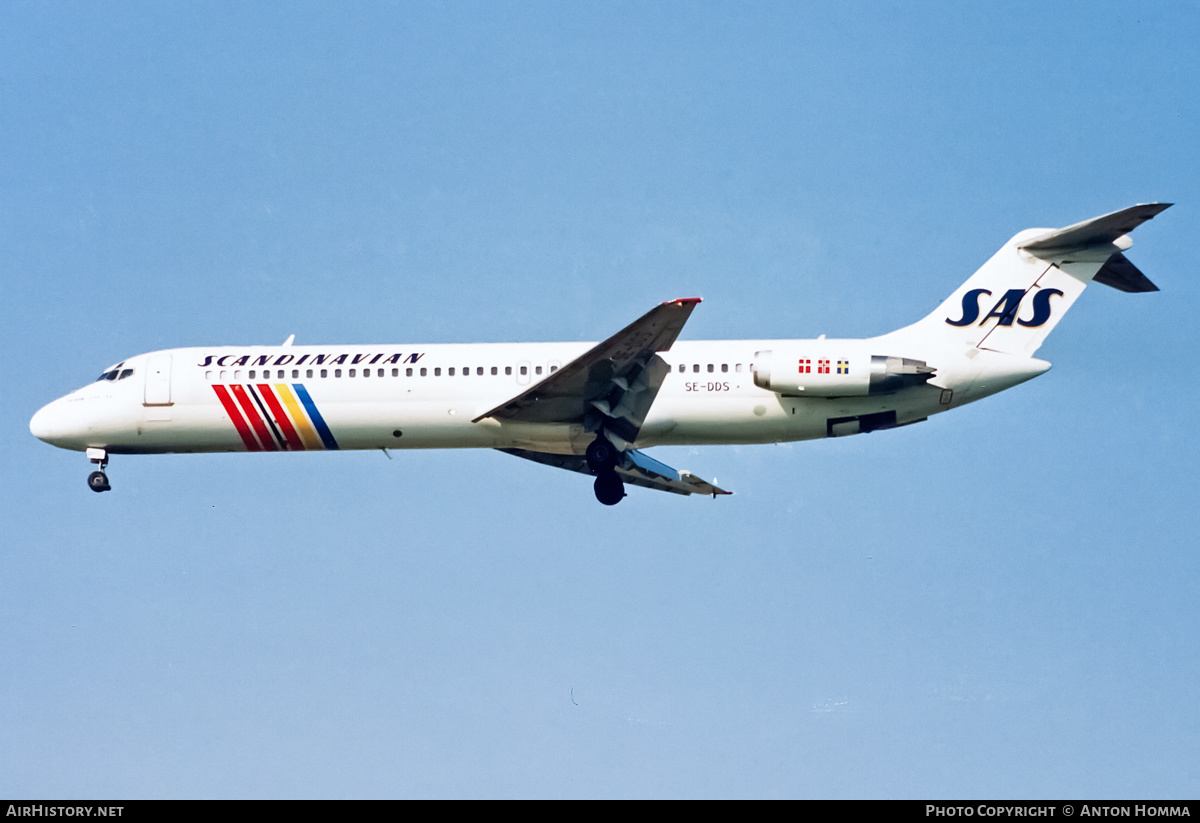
593	408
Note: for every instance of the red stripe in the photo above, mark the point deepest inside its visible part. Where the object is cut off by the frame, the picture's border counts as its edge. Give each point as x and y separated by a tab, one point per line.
260	428
231	409
289	433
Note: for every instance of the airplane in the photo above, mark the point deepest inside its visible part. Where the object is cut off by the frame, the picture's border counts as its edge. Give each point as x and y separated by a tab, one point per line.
593	408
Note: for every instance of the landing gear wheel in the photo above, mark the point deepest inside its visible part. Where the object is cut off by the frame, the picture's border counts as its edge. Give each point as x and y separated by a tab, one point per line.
601	455
98	482
609	488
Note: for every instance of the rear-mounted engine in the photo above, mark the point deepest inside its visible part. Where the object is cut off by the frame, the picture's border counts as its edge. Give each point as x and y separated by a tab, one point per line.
803	375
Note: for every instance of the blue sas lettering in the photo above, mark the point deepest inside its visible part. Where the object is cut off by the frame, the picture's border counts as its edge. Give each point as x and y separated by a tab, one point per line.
1005	310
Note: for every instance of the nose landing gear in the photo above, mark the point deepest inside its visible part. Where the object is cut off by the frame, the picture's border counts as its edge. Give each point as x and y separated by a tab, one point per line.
98	481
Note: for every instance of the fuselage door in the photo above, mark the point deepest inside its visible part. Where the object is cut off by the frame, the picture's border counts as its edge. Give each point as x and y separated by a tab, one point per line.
158	380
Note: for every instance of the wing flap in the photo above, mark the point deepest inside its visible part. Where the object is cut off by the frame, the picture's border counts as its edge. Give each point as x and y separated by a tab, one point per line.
637	469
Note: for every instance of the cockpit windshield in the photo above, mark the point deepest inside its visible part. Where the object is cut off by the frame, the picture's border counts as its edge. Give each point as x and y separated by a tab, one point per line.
115	373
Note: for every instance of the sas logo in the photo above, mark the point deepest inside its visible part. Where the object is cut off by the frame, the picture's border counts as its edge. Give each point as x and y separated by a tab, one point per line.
1005	310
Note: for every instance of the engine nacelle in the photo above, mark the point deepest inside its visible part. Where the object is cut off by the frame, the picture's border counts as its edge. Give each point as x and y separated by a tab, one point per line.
820	371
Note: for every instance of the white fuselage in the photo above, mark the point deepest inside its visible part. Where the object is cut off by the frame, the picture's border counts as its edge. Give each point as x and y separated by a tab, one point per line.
592	408
293	398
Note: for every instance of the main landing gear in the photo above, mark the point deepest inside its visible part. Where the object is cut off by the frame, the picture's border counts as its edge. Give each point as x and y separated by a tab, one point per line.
98	481
602	457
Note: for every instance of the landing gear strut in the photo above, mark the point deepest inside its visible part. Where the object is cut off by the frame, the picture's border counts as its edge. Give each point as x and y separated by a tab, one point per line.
602	457
98	481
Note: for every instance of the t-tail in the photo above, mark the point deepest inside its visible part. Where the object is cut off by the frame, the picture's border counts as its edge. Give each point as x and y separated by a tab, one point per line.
1017	298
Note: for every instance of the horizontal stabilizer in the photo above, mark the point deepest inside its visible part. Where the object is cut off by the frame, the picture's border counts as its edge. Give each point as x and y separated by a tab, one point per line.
1095	232
637	469
1122	275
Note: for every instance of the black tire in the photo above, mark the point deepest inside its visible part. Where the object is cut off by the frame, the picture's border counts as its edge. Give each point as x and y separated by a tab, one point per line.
609	488
98	482
601	455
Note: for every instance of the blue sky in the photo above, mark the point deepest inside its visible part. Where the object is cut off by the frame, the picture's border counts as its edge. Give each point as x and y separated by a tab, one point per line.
1000	602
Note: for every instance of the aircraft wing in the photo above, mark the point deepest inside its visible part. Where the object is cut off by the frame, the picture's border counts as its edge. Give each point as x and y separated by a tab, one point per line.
611	385
638	469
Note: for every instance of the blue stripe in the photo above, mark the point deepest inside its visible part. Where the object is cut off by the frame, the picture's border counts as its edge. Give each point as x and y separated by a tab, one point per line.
315	416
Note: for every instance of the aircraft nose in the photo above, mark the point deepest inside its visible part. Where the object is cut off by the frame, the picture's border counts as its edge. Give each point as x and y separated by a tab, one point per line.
41	425
56	423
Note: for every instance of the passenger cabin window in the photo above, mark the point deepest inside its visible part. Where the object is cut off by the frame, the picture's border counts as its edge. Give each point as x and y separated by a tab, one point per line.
508	369
524	370
696	368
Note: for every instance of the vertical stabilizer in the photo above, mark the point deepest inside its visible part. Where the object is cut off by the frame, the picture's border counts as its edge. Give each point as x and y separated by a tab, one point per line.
1017	298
